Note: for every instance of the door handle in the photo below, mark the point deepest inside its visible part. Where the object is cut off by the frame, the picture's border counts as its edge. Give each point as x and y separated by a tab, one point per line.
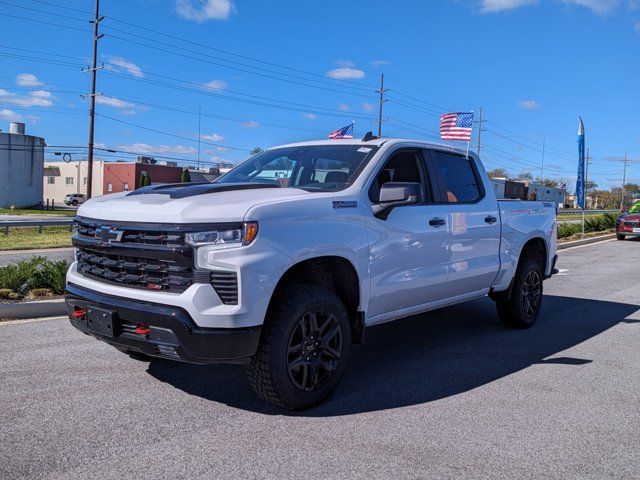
491	219
437	222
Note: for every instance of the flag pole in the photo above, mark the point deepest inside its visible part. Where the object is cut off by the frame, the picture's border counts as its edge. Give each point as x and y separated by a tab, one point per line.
468	149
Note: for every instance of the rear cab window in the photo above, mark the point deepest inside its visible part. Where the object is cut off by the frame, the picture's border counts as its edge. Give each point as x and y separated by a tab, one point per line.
458	178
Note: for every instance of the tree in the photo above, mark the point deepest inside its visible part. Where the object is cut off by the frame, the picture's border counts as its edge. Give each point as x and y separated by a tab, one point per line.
525	176
547	182
498	173
145	180
185	176
256	150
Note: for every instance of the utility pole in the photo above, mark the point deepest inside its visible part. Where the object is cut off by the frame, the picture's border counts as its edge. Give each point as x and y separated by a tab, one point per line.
480	122
199	123
624	180
92	112
544	141
381	101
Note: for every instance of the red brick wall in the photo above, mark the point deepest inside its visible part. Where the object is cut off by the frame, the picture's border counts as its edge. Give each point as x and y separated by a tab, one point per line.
159	173
117	174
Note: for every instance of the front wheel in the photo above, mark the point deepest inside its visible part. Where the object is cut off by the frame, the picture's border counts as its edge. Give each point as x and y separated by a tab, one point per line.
619	236
523	308
74	203
304	348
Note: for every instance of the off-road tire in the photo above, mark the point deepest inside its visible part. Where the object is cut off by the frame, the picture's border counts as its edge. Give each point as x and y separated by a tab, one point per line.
269	369
517	312
619	236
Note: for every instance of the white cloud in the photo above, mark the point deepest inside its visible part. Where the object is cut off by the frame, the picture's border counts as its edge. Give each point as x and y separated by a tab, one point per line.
310	116
529	105
345	73
119	63
379	63
251	124
637	26
37	98
10	115
216	85
146	148
343	107
203	10
601	7
345	63
100	145
128	112
222	149
212	137
114	102
28	80
367	107
493	6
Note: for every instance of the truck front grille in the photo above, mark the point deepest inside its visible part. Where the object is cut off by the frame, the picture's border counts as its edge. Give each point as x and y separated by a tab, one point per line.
135	271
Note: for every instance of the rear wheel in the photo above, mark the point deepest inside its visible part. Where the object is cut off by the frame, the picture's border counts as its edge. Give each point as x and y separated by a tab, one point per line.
523	308
304	348
619	236
74	203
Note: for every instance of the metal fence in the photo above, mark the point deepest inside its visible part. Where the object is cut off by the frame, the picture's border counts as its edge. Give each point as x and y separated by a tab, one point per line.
7	224
575	211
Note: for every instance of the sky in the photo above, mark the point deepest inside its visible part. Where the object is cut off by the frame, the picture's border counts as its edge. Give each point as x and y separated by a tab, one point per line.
268	73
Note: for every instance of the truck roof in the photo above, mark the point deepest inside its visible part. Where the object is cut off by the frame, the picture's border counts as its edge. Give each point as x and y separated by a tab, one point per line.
377	142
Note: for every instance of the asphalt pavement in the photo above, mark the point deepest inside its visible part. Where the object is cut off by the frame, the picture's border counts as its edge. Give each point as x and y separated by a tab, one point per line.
449	394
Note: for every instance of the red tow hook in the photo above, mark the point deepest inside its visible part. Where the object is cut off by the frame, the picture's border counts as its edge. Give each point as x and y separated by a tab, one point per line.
79	313
142	330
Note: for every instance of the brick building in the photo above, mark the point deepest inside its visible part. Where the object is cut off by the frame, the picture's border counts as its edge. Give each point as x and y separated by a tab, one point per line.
125	176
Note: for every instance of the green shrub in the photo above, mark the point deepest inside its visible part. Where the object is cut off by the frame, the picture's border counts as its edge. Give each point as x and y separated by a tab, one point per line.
599	223
34	273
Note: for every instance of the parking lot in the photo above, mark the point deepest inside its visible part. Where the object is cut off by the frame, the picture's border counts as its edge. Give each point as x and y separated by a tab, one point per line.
449	394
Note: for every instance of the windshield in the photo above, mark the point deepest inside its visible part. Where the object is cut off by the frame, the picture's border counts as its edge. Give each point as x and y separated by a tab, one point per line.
315	167
635	208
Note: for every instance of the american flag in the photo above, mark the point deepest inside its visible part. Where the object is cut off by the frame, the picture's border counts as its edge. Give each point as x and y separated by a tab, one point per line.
344	132
456	126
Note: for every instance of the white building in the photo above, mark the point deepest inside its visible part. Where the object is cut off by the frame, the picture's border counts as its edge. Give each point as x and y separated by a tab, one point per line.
62	178
21	163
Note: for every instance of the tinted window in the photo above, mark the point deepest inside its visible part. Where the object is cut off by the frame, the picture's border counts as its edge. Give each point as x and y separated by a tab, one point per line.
312	167
457	177
403	166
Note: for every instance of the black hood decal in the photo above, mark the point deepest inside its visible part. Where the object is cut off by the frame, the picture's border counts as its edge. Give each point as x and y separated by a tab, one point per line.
184	190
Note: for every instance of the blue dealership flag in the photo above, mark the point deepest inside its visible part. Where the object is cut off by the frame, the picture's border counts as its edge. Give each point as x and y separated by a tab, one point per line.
580	184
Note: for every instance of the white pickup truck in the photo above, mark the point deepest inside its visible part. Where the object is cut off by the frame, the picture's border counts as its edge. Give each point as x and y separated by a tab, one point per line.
282	262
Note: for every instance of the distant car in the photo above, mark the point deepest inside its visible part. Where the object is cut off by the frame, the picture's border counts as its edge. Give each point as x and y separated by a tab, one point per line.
629	223
75	199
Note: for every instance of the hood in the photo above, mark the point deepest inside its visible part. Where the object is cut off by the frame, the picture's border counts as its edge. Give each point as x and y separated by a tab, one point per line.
199	203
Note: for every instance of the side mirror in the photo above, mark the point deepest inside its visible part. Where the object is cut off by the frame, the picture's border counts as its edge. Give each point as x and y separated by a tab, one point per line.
396	194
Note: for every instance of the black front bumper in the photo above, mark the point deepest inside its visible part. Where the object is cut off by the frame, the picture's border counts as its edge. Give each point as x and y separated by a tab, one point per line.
171	333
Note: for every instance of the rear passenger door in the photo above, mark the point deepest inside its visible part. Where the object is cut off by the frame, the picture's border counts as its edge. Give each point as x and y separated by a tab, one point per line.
473	220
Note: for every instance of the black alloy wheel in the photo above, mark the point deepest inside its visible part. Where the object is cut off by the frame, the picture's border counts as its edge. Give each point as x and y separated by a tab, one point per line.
314	349
531	293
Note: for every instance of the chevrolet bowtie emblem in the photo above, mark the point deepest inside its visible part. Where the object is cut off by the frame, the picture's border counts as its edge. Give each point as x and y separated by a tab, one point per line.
108	234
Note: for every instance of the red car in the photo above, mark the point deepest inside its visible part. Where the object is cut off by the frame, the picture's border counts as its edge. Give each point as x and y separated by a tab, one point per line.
629	223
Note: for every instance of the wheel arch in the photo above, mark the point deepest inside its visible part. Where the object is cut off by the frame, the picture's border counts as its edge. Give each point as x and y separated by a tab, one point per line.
334	273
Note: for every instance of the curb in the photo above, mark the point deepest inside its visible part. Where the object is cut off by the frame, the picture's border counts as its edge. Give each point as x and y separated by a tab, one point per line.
586	241
44	308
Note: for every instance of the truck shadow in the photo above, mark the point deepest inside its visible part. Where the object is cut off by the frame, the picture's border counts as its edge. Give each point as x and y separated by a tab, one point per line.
425	357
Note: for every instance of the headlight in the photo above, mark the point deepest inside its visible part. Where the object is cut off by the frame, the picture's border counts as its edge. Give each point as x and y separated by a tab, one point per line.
207	243
233	237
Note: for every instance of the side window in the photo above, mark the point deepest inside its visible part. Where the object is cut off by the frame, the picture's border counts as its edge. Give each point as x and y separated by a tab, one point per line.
458	179
403	166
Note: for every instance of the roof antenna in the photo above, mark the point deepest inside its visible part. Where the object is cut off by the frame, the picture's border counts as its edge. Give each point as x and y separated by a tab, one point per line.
368	137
